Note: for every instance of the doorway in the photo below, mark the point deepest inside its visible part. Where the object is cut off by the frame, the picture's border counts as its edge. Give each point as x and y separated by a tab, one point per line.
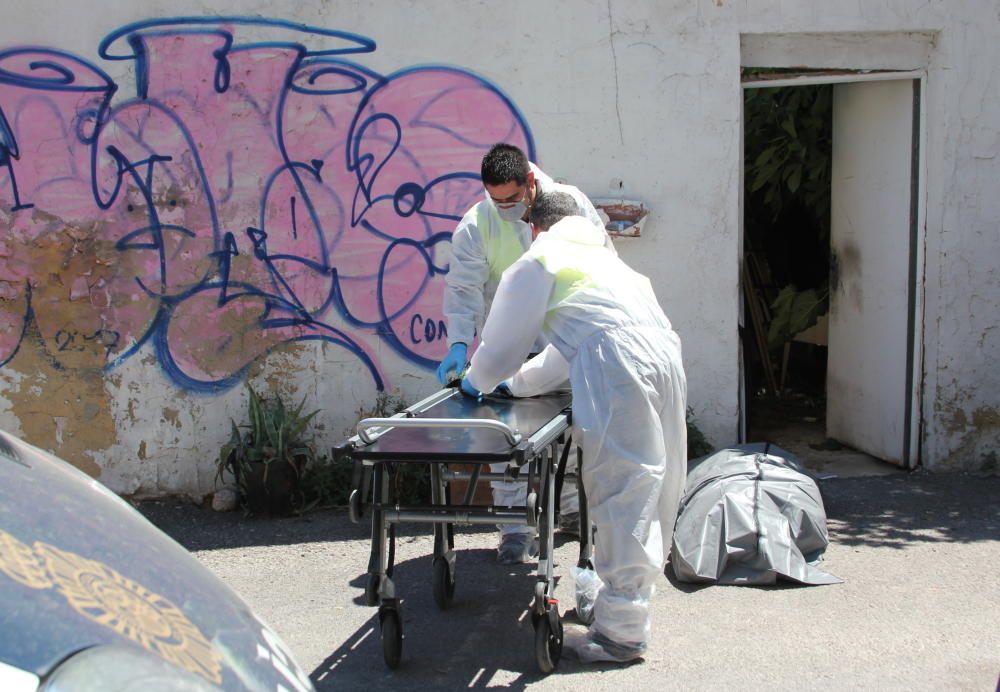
829	243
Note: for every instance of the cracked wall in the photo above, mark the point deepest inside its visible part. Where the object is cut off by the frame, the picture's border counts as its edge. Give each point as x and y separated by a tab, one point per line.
179	219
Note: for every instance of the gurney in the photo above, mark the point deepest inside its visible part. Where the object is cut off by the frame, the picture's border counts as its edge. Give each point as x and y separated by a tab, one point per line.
444	430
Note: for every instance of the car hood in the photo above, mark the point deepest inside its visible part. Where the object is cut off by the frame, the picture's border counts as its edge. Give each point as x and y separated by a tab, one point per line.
79	567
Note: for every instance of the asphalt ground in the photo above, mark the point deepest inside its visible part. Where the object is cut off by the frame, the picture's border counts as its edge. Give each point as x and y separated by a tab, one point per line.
919	608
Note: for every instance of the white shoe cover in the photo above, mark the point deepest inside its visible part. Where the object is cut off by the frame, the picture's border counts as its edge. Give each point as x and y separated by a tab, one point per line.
591	647
517	548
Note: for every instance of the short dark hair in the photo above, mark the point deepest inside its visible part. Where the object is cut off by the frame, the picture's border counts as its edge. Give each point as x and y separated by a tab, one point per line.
551	207
503	163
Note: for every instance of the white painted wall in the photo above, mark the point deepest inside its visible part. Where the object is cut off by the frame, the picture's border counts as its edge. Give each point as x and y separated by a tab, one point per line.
640	98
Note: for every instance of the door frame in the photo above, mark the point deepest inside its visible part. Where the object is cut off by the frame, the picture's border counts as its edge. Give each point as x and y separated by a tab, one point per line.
918	210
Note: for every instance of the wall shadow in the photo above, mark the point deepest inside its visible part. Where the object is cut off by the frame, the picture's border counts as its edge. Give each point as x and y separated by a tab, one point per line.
899	511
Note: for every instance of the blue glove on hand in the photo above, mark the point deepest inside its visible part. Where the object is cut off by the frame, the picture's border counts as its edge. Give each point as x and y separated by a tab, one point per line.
469	390
453	365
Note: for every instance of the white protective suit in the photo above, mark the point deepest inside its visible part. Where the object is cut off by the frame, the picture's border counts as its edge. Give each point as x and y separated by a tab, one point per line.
482	247
607	331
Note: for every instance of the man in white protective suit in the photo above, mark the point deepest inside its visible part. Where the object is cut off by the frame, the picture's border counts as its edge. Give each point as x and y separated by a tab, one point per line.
488	239
607	333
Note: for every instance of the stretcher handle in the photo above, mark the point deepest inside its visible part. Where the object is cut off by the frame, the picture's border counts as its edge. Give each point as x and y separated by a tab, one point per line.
513	436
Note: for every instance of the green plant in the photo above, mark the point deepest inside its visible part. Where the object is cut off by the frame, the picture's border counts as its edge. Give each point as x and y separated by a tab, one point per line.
698	444
411	482
327	482
273	445
788	175
795	311
386	404
789	131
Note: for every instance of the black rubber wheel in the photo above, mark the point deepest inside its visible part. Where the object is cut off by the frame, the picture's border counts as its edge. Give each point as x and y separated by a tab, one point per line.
540	597
531	506
392	637
354	507
548	643
444	585
371	590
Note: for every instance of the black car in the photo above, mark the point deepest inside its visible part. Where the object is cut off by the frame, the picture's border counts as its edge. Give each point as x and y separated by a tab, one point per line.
94	597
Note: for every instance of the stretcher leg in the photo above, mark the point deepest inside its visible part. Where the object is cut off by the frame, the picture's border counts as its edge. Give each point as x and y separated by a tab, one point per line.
390	621
584	596
545	616
443	563
566	441
451	525
586	560
374	560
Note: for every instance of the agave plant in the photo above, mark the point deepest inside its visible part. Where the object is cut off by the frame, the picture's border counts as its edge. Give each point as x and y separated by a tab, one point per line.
273	434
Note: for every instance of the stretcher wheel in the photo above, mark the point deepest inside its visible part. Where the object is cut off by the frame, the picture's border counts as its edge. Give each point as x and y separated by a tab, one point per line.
371	590
392	637
444	584
540	596
531	506
548	641
354	506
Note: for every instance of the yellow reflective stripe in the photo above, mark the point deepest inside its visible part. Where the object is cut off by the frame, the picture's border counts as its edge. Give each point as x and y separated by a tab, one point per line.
570	276
568	282
502	248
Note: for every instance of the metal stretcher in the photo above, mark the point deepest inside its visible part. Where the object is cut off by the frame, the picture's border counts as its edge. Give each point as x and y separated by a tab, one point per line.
443	430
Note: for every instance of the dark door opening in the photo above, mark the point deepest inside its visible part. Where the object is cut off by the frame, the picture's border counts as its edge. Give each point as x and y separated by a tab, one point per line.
794	283
787	150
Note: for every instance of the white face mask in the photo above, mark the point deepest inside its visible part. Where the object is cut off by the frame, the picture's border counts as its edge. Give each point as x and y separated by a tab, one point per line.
516	211
513	213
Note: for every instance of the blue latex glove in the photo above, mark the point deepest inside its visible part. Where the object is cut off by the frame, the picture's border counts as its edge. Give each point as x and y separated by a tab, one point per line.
503	389
469	390
453	365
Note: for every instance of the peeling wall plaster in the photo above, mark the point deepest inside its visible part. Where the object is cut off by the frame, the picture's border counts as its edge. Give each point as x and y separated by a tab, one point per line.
131	366
69	414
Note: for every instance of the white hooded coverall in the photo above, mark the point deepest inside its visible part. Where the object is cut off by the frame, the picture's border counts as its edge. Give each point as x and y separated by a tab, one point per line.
482	247
607	331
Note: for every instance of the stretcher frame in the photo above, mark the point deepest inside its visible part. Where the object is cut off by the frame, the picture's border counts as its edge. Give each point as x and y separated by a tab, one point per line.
534	452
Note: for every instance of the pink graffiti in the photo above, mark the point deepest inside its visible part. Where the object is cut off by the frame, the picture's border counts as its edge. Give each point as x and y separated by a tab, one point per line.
248	196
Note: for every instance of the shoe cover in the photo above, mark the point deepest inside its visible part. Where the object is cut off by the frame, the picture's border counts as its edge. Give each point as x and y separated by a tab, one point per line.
593	647
588	585
516	548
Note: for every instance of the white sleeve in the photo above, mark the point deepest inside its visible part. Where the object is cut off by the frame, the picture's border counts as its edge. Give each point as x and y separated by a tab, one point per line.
468	271
544	373
515	319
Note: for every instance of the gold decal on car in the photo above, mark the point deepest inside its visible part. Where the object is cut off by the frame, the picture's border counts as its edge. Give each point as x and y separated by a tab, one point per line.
19	562
112	600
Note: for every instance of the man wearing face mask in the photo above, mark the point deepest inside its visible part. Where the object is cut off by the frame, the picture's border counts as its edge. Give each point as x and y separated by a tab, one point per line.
491	236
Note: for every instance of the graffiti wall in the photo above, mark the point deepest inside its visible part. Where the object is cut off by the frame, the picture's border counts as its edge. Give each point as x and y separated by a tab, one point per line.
247	194
191	198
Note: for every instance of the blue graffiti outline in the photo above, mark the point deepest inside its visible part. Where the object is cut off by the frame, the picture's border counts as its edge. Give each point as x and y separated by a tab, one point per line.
134	32
65	82
266	322
28	315
322	268
308	67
